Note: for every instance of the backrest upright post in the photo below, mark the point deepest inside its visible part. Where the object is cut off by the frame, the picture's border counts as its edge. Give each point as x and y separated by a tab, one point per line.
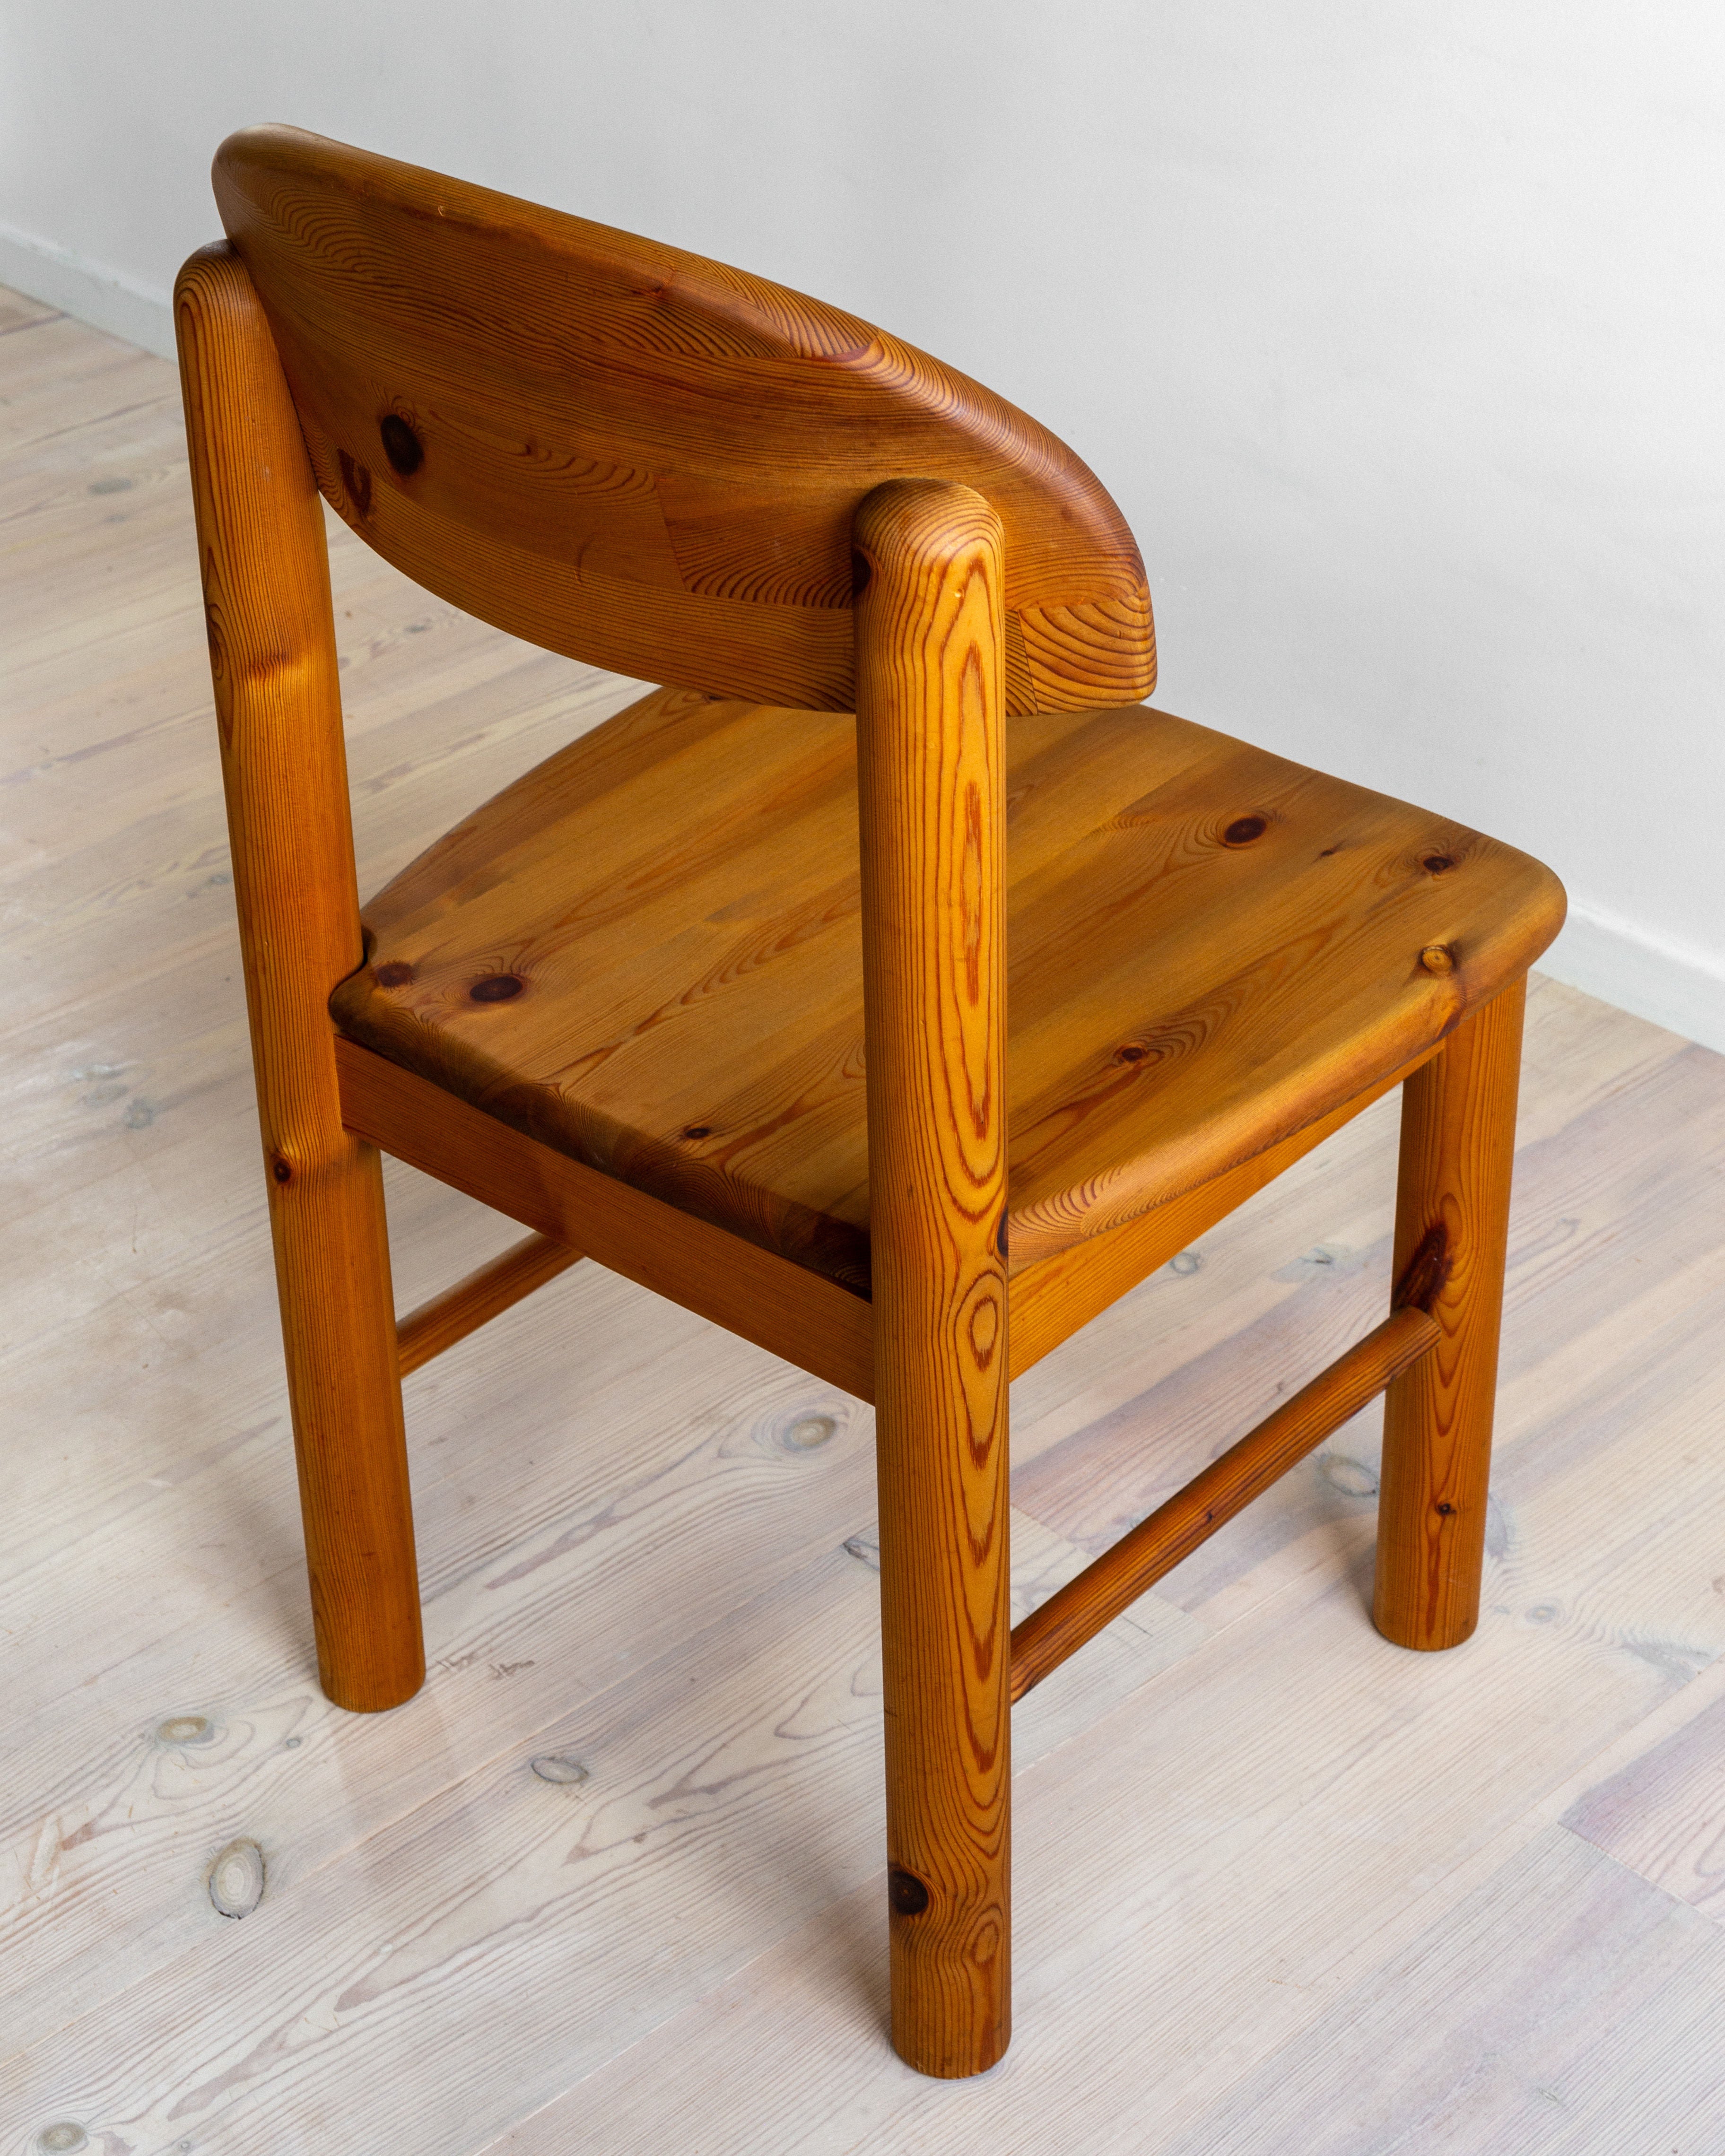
931	741
272	642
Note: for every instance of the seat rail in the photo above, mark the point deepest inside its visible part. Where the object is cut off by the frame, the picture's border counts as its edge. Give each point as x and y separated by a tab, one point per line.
807	1318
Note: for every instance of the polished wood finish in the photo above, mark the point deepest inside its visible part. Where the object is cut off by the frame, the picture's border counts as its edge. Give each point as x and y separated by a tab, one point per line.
782	1307
637	457
1109	1587
484	1295
606	1513
278	715
719	995
647	953
1052	1300
830	1335
1451	1233
931	797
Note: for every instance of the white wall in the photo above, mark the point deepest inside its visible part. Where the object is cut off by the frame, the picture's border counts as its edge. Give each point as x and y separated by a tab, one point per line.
1398	331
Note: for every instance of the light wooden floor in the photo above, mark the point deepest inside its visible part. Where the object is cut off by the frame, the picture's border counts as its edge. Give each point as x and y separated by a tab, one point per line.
1280	1885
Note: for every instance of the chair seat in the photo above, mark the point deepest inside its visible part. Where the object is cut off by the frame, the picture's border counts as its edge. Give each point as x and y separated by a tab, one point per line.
646	953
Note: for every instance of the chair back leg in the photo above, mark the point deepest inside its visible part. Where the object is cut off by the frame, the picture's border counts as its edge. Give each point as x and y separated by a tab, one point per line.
1451	1233
931	784
279	710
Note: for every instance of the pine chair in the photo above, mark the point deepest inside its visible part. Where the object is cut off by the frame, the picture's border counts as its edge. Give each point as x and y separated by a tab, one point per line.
627	1001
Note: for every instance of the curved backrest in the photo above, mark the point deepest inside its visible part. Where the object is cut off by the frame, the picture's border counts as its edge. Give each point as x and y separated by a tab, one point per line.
637	457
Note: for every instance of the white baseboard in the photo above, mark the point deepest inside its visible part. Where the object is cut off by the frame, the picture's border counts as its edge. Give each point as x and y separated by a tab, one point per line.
106	299
1677	985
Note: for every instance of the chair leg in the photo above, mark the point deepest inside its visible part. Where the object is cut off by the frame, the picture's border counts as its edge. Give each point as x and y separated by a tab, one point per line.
275	670
945	1628
338	1333
931	796
1452	1224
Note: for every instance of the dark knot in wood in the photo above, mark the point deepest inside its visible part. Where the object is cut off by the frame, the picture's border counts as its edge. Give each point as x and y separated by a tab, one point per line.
394	973
1426	1272
401	444
905	1891
356	478
1243	829
496	988
1437	864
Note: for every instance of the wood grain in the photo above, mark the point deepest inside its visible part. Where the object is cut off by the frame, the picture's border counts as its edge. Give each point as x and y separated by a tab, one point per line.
17	312
1451	1233
930	793
785	1308
410	1119
1109	1586
484	1295
1306	1267
1051	1299
1658	1813
1212	1890
1563	2006
637	457
675	897
906	1230
279	714
1283	1825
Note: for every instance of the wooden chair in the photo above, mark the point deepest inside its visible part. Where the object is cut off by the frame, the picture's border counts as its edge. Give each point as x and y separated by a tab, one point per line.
626	1002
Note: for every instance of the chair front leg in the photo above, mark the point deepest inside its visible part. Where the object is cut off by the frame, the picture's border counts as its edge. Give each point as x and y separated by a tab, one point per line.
279	712
1451	1233
931	782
